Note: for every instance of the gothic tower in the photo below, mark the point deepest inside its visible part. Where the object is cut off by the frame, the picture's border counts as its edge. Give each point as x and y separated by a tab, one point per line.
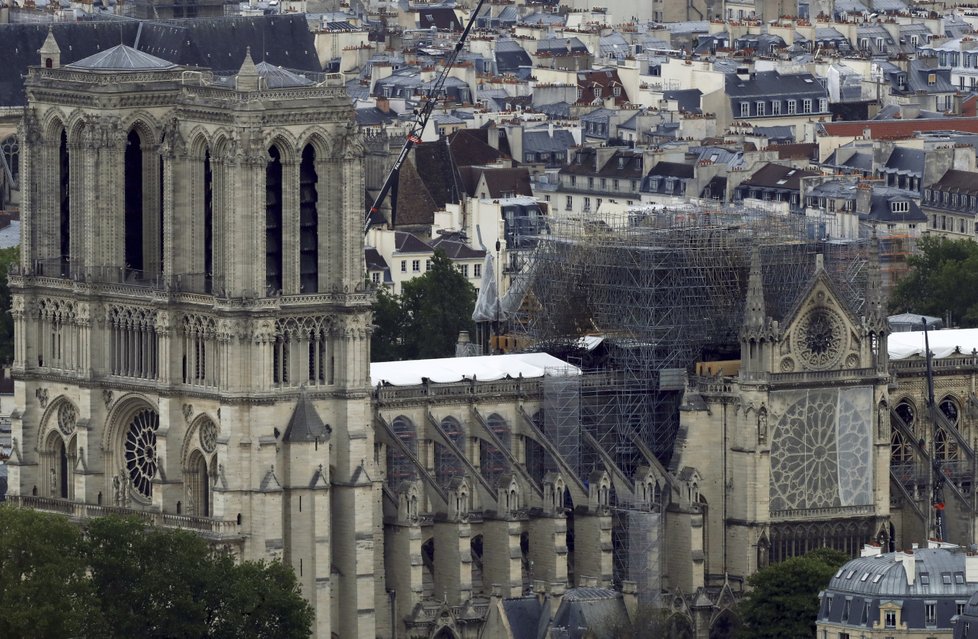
192	332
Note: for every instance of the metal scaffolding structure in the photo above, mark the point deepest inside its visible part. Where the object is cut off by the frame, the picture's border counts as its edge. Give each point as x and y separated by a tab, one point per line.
664	289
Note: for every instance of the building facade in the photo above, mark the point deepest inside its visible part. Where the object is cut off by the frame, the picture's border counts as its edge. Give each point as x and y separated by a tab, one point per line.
192	327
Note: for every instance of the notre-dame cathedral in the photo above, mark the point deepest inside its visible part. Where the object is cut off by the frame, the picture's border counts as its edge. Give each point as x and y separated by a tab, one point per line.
192	346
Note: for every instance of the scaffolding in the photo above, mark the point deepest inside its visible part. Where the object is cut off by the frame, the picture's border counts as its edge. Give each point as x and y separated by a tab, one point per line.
664	289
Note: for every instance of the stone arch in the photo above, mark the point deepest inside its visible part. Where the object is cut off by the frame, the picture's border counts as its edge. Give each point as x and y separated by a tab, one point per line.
286	144
197	485
149	128
195	439
61	415
200	142
321	142
724	625
56	466
77	124
118	423
400	467
679	626
445	633
53	123
428	567
906	410
950	407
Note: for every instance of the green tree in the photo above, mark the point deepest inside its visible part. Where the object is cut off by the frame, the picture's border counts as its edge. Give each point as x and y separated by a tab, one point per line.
389	325
8	257
425	320
153	582
44	590
943	278
783	597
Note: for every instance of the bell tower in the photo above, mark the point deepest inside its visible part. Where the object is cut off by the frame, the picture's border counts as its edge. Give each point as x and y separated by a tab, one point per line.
192	327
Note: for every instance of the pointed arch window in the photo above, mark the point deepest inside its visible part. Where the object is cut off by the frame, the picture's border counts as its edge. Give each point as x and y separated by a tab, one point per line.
945	446
900	451
308	222
64	210
134	202
273	222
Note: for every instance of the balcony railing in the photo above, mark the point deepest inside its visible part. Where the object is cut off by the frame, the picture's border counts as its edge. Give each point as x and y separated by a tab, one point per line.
211	528
59	268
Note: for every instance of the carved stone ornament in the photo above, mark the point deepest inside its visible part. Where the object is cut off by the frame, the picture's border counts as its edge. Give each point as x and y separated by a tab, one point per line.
188	411
820	338
42	397
107	397
67	417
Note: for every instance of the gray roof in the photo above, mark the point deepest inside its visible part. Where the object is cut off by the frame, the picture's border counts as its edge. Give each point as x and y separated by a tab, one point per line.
543	142
939	576
279	78
305	425
122	58
904	160
771	83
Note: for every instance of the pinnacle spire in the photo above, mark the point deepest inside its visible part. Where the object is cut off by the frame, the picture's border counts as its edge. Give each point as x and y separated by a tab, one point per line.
874	282
248	77
755	314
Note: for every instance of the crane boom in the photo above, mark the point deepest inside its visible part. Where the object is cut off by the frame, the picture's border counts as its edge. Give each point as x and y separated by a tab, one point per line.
414	136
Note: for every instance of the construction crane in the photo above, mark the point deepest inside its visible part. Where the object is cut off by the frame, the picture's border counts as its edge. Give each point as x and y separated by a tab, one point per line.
939	478
414	136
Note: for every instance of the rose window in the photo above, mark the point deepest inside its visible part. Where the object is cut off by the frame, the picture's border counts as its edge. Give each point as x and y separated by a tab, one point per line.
140	450
67	417
208	436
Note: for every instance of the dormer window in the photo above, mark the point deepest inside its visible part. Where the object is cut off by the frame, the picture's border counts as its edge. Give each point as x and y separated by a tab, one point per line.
597	92
617	91
931	78
900	206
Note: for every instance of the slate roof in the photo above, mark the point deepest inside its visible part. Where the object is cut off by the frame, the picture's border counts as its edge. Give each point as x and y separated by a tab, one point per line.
555	111
906	160
442	18
687	99
589	612
456	249
956	181
368	116
471	147
410	243
510	56
882	211
672	169
500	182
415	204
218	43
777	176
434	161
374	260
772	83
305	425
543	142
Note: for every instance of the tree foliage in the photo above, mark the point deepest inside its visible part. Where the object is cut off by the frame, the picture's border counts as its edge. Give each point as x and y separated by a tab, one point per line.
783	597
425	319
943	278
121	578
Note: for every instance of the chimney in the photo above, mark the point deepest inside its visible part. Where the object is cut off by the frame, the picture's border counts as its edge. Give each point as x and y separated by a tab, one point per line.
971	568
871	550
540	590
383	104
909	565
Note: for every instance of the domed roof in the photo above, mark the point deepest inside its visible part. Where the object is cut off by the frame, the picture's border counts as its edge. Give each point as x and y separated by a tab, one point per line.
122	58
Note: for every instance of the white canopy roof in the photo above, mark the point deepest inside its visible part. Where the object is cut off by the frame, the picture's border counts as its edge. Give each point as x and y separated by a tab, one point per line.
484	368
942	343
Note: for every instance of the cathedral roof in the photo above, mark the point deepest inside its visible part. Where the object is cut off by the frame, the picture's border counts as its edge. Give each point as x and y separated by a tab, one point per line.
279	78
122	58
306	425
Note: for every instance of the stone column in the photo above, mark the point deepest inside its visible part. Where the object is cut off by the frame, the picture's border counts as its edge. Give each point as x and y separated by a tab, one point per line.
548	548
290	224
592	547
502	557
453	562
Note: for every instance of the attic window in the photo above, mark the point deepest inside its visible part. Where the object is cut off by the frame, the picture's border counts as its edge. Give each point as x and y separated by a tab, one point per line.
876	578
931	78
791	172
782	181
808	80
900	206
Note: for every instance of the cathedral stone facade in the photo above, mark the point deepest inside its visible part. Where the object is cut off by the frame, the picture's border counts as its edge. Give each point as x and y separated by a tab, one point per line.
192	327
192	346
